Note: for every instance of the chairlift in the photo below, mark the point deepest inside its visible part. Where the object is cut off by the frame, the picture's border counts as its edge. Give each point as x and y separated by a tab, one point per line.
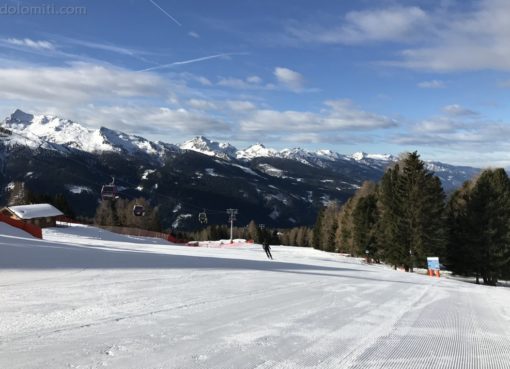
109	191
202	217
138	210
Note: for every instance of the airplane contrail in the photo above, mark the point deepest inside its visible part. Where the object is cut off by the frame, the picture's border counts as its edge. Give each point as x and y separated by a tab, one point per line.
165	12
189	61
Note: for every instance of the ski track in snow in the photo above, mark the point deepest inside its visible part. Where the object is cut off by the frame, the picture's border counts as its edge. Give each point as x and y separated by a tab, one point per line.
84	298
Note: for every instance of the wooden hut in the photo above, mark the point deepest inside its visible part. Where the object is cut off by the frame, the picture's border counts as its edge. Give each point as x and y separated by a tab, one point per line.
41	215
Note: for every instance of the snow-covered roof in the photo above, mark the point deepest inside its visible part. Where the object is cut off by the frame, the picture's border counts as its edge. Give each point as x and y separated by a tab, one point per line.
35	211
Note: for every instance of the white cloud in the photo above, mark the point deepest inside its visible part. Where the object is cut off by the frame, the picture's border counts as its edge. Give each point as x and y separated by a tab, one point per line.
254	79
173	99
203	81
473	40
193	34
153	121
437	125
345	113
202	104
286	79
75	83
489	137
432	84
340	115
233	83
249	83
239	105
26	42
309	137
289	78
382	25
459	129
445	39
459	111
335	139
391	24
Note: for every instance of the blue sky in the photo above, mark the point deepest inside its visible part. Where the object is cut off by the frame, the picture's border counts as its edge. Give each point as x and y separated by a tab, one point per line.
375	76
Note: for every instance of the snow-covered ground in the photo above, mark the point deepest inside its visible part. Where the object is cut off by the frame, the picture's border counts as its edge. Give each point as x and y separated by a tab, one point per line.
85	298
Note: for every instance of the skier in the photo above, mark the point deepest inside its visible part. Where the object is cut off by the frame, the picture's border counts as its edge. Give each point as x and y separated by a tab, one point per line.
267	249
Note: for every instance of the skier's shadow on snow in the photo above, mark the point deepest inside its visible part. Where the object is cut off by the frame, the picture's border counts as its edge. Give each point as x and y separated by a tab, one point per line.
37	255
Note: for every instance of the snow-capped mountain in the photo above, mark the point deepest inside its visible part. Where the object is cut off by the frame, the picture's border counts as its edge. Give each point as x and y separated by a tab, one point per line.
34	130
279	187
321	158
132	144
360	156
205	146
298	154
256	151
380	161
56	130
330	155
57	133
51	132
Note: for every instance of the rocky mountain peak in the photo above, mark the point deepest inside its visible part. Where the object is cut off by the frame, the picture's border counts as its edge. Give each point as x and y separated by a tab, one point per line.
20	116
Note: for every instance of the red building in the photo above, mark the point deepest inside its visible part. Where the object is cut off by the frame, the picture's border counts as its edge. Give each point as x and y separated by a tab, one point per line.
41	215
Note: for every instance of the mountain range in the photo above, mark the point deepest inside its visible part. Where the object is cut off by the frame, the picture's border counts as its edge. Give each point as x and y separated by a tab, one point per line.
276	187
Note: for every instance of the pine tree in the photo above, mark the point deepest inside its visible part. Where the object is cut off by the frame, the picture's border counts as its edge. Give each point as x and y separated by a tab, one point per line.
421	199
309	237
284	238
344	230
393	247
329	224
104	214
317	242
344	237
479	218
254	232
293	237
365	219
412	223
121	212
460	250
300	236
61	203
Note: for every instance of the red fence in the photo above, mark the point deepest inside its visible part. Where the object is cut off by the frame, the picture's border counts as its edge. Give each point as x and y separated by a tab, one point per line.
142	233
29	228
128	231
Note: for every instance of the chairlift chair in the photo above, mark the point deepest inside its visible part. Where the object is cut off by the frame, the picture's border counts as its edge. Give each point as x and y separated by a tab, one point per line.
138	210
109	191
202	217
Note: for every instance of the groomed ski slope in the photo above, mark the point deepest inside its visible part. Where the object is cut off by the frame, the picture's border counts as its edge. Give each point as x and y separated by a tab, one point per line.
85	298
